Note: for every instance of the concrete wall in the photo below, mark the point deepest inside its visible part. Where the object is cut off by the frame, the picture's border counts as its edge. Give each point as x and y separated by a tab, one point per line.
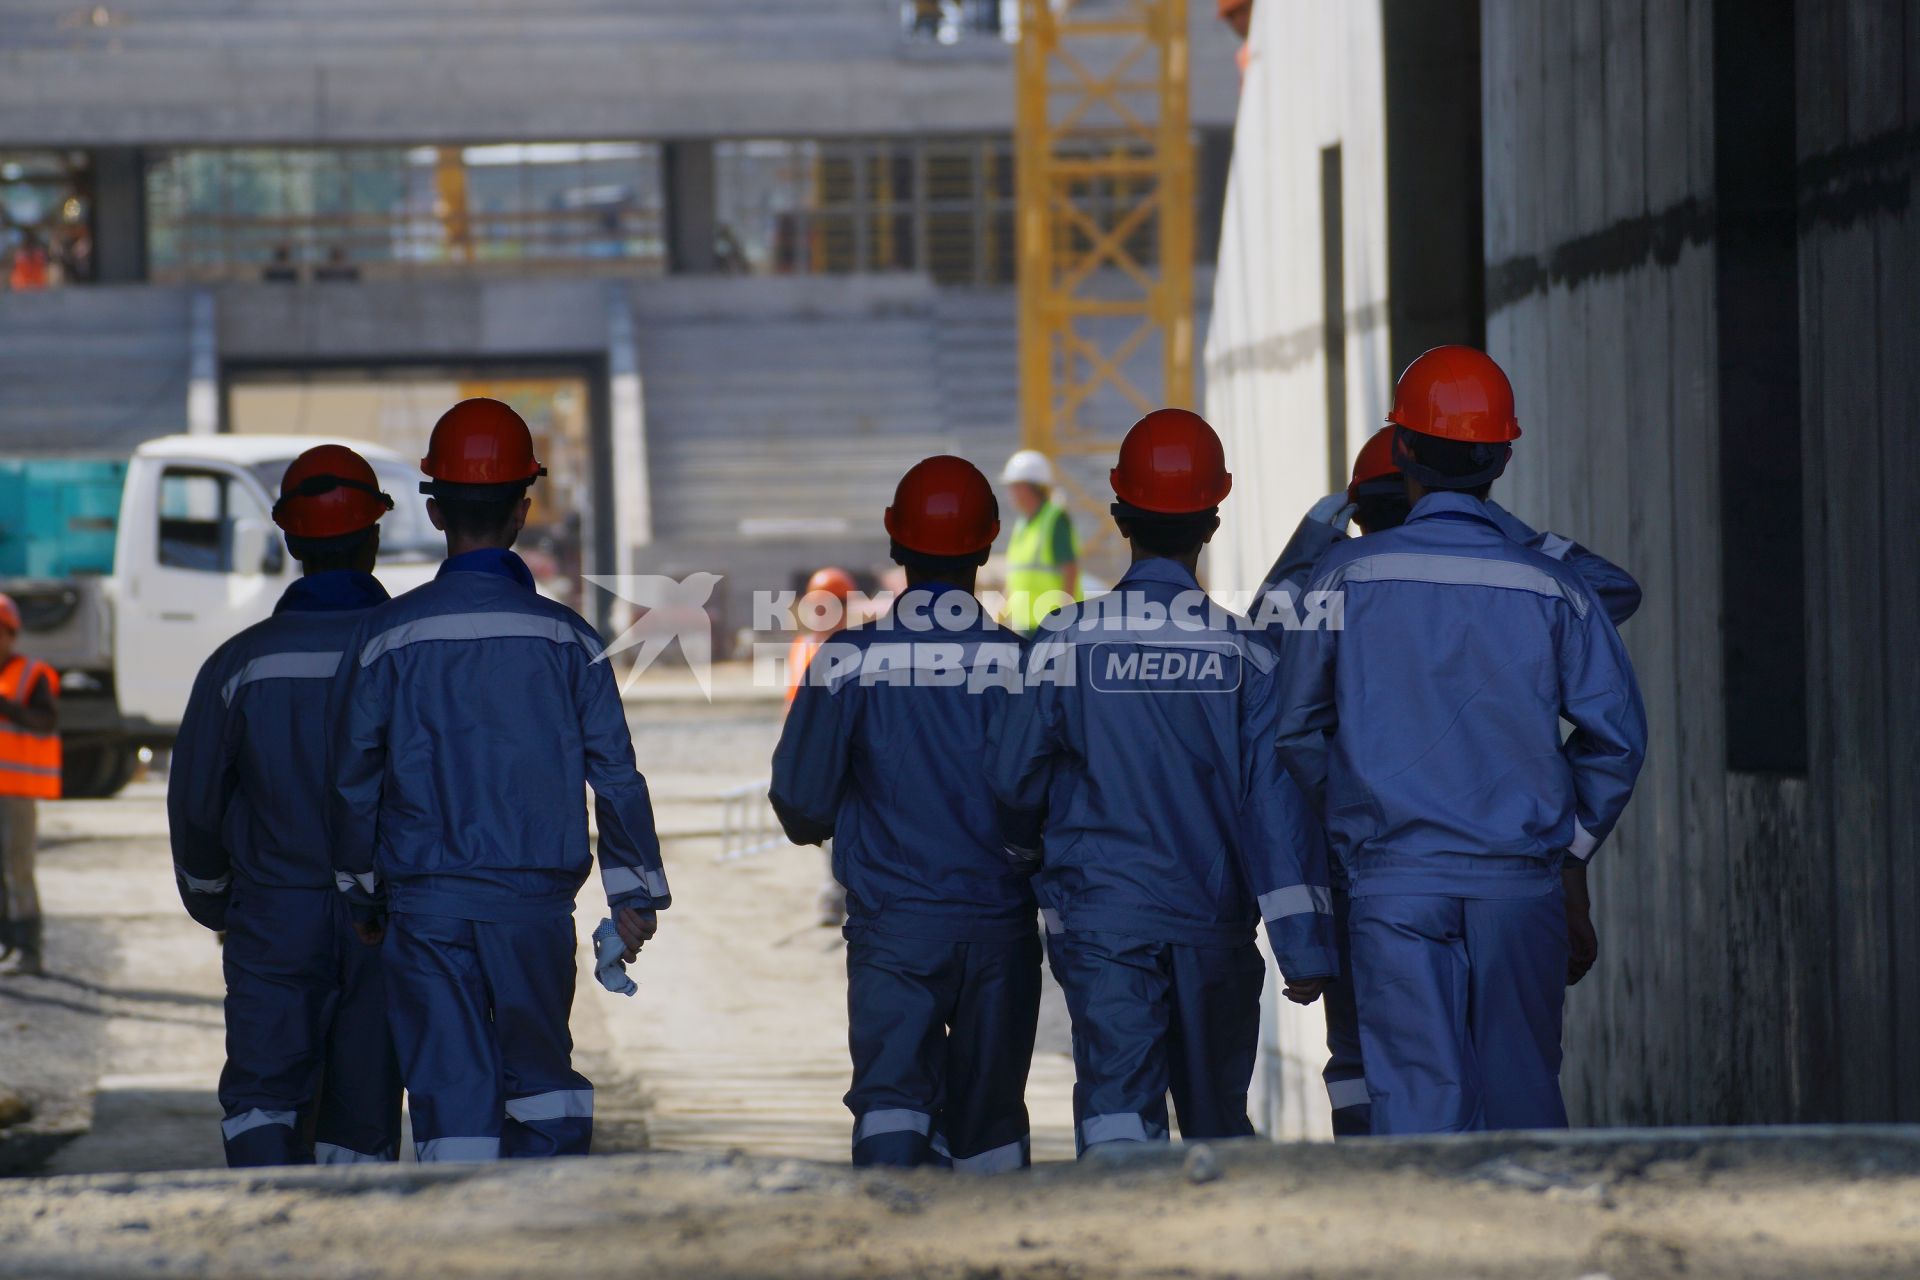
1859	139
1752	964
1756	963
1598	164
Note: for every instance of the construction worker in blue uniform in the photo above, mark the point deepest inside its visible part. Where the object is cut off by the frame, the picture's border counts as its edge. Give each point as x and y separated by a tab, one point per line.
1375	499
1138	770
470	716
882	752
310	1073
1426	731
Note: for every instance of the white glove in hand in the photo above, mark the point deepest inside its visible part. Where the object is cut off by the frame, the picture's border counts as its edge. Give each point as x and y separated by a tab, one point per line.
608	965
1334	510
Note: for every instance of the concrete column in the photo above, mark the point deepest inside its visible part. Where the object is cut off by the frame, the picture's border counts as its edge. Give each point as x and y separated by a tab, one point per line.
687	167
203	366
631	519
119	215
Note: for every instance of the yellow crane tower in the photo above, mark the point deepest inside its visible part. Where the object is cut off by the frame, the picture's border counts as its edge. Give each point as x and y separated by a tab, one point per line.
1105	195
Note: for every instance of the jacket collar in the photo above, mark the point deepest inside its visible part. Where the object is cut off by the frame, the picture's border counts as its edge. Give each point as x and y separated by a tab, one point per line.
331	591
1443	504
495	560
1160	570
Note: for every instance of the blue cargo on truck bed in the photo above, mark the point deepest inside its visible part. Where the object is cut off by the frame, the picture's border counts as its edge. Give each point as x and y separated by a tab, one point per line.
58	516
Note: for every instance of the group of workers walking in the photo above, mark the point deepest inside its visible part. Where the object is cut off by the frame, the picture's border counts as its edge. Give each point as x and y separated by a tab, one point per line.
380	803
1381	779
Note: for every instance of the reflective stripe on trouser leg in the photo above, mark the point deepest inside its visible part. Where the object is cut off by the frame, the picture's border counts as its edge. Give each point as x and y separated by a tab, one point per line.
328	1153
893	1136
1345	1073
1517	977
1017	1154
457	1150
1119	993
443	1033
530	970
282	992
1411	987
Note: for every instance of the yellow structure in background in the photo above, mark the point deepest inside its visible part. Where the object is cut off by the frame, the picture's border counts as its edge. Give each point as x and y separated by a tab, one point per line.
1105	191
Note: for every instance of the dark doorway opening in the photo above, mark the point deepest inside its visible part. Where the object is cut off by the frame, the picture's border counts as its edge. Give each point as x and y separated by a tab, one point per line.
1756	264
1435	251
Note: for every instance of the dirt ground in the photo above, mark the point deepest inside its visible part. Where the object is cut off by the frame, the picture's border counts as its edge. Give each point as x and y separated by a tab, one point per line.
1752	1206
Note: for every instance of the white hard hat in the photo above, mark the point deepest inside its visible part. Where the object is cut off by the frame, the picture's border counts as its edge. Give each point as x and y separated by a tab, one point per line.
1029	466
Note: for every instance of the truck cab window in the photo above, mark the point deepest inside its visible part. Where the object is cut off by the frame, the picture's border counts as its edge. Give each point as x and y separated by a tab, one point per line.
196	521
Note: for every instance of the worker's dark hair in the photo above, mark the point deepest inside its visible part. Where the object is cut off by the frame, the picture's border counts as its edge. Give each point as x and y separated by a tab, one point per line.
480	513
322	554
1164	535
1440	459
1381	503
924	567
1375	512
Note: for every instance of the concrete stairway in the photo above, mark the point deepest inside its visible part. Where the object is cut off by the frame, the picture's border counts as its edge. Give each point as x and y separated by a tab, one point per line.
797	422
91	370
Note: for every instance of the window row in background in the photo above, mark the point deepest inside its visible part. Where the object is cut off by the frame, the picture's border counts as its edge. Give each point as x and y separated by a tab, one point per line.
943	205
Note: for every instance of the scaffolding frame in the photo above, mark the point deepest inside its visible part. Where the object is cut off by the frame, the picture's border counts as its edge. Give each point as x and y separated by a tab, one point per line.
1105	196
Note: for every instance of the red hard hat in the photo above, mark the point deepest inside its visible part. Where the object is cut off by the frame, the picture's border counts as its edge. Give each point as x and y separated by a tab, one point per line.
1171	463
1456	393
9	613
329	491
835	582
944	507
1375	461
481	441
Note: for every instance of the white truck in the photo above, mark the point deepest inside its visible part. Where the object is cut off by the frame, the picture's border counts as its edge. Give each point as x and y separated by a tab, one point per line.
196	558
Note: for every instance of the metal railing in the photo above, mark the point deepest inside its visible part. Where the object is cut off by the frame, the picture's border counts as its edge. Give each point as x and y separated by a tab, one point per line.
748	827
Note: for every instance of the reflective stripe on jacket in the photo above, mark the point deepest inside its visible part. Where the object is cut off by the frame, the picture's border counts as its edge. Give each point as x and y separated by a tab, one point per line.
1141	756
29	761
470	715
884	752
1036	577
1427	730
246	792
1618	591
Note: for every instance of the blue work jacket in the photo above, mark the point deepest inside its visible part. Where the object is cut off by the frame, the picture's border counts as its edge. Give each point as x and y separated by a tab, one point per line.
246	790
1139	763
1426	728
1618	591
470	715
884	752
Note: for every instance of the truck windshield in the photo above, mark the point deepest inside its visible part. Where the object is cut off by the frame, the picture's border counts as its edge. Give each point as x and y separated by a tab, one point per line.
405	532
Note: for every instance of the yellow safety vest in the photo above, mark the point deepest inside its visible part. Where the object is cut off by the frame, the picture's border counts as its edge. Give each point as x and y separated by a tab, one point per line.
1036	585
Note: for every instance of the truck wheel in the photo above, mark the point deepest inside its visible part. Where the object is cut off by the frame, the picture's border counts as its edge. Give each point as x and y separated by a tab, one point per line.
97	771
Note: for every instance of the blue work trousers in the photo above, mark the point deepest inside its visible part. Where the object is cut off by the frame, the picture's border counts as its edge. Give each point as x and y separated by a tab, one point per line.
479	1011
1151	1018
310	1073
941	1035
1460	1003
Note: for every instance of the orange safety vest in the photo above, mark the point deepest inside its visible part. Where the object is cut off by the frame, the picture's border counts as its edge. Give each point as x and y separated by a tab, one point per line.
799	654
29	762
